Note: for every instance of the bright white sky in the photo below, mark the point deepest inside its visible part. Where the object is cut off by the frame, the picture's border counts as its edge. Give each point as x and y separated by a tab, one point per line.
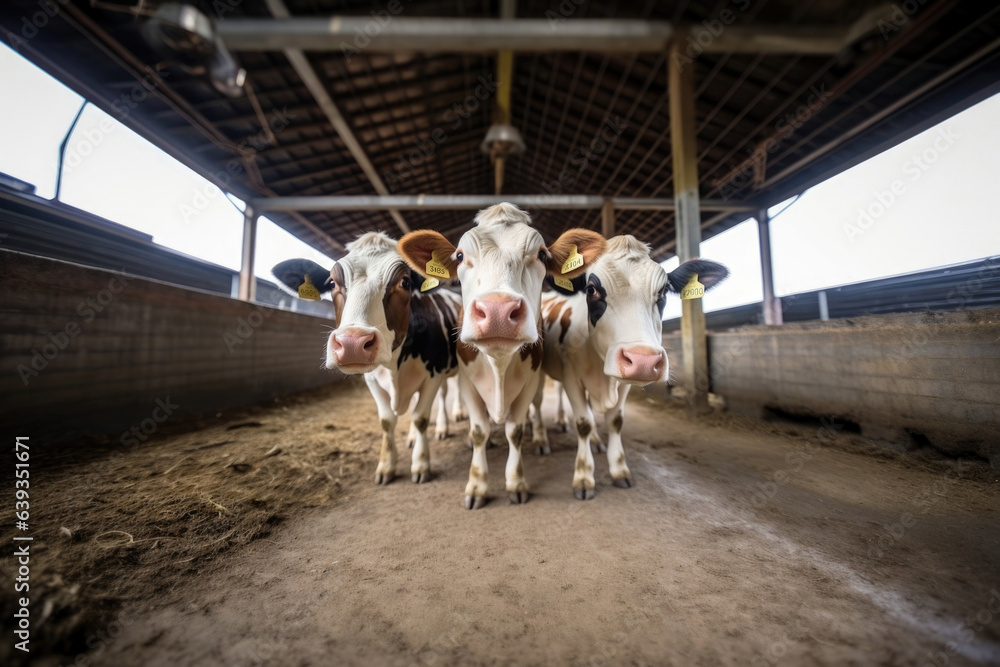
938	215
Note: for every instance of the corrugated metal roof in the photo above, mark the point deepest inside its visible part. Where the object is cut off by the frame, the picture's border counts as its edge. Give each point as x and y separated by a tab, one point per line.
593	123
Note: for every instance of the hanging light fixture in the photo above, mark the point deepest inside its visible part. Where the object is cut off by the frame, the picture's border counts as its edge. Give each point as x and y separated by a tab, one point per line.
183	33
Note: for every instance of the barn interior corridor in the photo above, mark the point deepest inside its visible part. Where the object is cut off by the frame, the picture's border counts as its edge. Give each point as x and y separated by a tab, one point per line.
742	542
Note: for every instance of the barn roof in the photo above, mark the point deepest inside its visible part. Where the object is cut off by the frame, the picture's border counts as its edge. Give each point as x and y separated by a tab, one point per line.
594	123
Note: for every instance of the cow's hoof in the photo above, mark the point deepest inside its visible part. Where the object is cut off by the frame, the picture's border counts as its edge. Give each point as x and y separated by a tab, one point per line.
469	445
409	444
518	497
422	477
563	427
441	435
473	503
543	450
623	483
583	494
383	477
598	448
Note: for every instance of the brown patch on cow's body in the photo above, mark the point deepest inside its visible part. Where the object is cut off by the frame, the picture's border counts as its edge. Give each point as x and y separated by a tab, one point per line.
535	352
616	423
564	323
467	353
552	310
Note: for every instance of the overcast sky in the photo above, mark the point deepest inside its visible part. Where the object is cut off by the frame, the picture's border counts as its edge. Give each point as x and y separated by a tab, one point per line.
920	205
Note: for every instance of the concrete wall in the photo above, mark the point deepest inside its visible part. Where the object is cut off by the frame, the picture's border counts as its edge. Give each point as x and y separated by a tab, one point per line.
934	375
86	350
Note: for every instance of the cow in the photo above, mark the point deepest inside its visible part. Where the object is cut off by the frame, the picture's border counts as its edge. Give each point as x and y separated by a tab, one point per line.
392	327
607	337
500	263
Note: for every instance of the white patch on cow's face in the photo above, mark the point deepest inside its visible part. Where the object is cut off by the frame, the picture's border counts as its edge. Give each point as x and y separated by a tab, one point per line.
499	264
625	291
366	271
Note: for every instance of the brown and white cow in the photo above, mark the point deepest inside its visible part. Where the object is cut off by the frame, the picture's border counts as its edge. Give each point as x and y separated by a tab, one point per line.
604	339
500	264
400	338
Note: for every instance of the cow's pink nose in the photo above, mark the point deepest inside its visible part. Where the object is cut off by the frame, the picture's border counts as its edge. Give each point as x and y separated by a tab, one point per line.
351	349
498	317
641	364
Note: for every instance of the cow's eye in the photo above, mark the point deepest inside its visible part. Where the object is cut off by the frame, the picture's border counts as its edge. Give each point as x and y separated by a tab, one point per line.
405	282
591	290
541	255
459	257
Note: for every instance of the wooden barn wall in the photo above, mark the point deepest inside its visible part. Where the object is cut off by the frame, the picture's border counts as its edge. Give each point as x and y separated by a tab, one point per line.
88	351
906	378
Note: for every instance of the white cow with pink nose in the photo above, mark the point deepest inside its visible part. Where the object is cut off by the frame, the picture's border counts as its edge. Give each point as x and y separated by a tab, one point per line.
500	264
606	338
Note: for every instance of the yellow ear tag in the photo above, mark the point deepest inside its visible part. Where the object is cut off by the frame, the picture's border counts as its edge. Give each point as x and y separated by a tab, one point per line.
573	262
693	289
308	291
563	282
429	283
437	266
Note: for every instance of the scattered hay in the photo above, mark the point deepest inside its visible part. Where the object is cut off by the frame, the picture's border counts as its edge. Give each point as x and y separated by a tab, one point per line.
116	526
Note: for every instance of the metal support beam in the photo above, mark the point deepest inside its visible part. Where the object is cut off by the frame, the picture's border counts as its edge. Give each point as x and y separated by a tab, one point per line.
458	35
248	282
685	162
771	304
608	218
476	202
443	35
305	70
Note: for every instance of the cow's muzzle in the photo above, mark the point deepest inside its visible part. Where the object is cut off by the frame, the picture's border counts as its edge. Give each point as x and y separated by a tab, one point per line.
498	317
641	364
353	350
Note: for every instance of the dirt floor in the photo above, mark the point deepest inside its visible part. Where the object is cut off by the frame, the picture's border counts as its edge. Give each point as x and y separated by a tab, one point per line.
258	537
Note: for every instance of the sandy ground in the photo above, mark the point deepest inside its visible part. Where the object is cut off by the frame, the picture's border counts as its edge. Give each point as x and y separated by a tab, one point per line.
741	543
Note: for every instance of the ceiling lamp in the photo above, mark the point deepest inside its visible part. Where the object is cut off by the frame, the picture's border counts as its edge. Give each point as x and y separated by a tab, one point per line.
503	140
181	32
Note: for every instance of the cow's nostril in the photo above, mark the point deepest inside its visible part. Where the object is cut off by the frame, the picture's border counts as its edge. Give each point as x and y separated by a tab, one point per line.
477	311
370	343
517	313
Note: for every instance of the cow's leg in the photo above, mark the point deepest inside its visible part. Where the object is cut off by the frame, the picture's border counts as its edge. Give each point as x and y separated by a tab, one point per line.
386	469
560	414
596	444
620	474
583	417
517	488
441	426
479	434
457	408
420	468
411	435
539	438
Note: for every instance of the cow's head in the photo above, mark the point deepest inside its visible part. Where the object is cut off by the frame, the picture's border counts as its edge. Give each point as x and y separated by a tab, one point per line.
500	263
371	288
626	293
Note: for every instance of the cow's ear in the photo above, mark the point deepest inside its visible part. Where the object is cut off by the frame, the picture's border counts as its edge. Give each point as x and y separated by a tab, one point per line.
424	247
292	274
709	273
565	286
570	248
